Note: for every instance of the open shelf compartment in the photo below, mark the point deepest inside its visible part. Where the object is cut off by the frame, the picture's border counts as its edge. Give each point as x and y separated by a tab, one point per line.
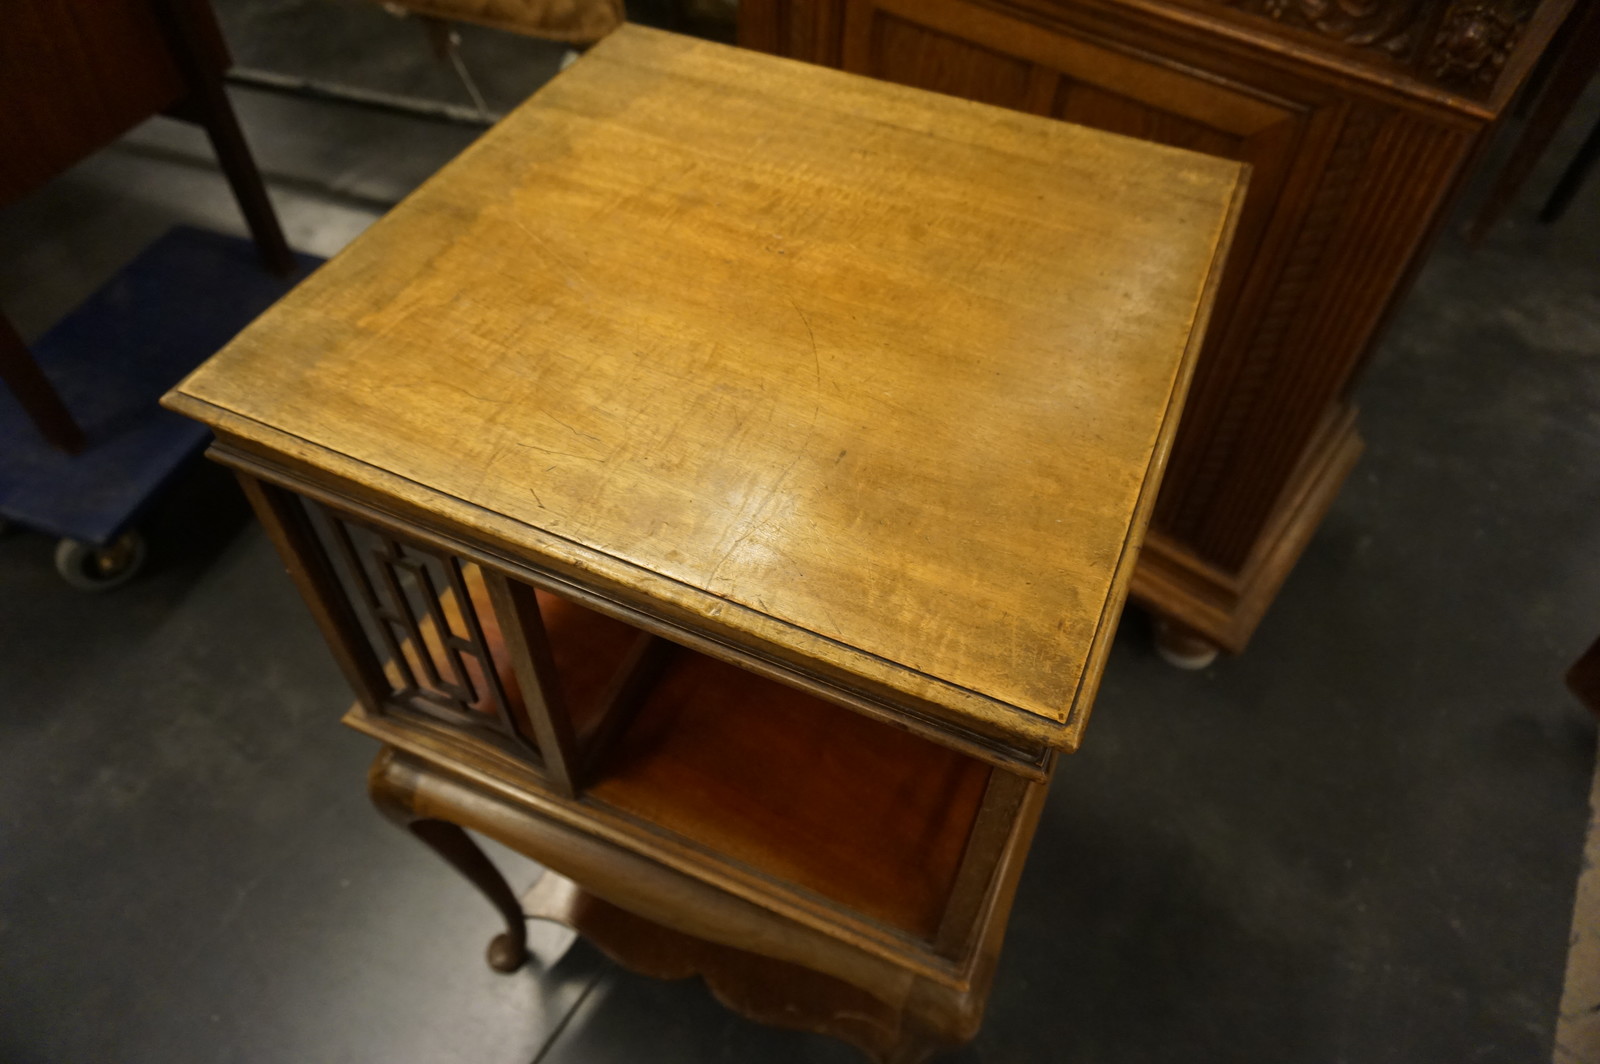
804	792
792	792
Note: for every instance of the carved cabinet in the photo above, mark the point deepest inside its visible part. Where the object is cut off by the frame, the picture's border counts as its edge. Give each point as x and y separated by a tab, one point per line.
1358	120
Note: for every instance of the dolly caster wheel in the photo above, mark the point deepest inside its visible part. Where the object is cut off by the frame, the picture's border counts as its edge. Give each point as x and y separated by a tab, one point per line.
90	568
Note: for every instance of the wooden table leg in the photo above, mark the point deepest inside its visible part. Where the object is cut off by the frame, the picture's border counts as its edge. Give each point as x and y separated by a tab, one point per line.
39	400
201	55
508	951
227	140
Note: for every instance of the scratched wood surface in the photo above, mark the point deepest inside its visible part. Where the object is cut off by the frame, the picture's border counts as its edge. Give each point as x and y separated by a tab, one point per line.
878	374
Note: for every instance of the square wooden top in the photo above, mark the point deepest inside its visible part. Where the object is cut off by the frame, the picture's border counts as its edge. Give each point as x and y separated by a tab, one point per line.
858	376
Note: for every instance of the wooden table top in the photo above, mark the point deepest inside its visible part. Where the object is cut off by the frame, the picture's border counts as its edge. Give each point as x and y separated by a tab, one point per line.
857	375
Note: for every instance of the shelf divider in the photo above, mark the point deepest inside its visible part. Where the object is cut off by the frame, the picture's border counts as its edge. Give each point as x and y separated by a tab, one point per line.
542	709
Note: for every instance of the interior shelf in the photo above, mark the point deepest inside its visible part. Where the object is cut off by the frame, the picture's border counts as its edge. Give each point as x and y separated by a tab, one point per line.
807	793
869	816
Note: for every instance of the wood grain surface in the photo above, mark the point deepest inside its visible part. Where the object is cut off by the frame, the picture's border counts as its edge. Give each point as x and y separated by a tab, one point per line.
871	817
845	367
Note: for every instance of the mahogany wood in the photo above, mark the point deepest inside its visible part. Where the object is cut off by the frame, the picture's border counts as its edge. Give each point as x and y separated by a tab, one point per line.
197	48
986	839
73	78
633	680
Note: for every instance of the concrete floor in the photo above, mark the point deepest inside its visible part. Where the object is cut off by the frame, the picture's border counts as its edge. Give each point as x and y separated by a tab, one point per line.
1359	842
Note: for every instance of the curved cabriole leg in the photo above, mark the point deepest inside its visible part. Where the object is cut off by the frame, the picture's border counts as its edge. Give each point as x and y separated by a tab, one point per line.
386	784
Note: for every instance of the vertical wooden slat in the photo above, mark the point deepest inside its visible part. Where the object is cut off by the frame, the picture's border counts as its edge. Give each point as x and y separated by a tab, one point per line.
477	644
635	675
340	541
460	685
990	832
399	613
543	713
290	530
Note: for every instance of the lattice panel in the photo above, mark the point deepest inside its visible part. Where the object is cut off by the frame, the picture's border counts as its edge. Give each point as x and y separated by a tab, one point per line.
428	618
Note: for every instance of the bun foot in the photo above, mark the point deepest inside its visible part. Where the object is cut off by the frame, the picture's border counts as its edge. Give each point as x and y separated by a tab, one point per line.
1182	648
505	955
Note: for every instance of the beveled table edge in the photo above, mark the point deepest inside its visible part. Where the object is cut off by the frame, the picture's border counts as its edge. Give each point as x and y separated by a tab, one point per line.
998	731
995	731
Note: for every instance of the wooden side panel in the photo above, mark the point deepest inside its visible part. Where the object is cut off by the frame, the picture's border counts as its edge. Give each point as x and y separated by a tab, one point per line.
1380	197
73	77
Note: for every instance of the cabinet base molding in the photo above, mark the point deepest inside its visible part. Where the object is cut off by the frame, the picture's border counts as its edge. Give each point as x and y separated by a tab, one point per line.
1197	603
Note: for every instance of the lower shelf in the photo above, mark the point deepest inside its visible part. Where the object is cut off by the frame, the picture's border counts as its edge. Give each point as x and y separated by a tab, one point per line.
870	817
811	796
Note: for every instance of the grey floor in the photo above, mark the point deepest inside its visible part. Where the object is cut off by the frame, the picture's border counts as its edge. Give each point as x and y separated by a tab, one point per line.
1359	842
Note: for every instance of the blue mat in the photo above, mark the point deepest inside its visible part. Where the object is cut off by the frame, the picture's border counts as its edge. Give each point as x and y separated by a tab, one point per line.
111	359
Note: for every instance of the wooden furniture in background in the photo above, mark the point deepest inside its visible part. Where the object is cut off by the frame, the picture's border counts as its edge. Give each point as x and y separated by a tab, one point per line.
1571	65
1358	119
718	485
1583	679
73	78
